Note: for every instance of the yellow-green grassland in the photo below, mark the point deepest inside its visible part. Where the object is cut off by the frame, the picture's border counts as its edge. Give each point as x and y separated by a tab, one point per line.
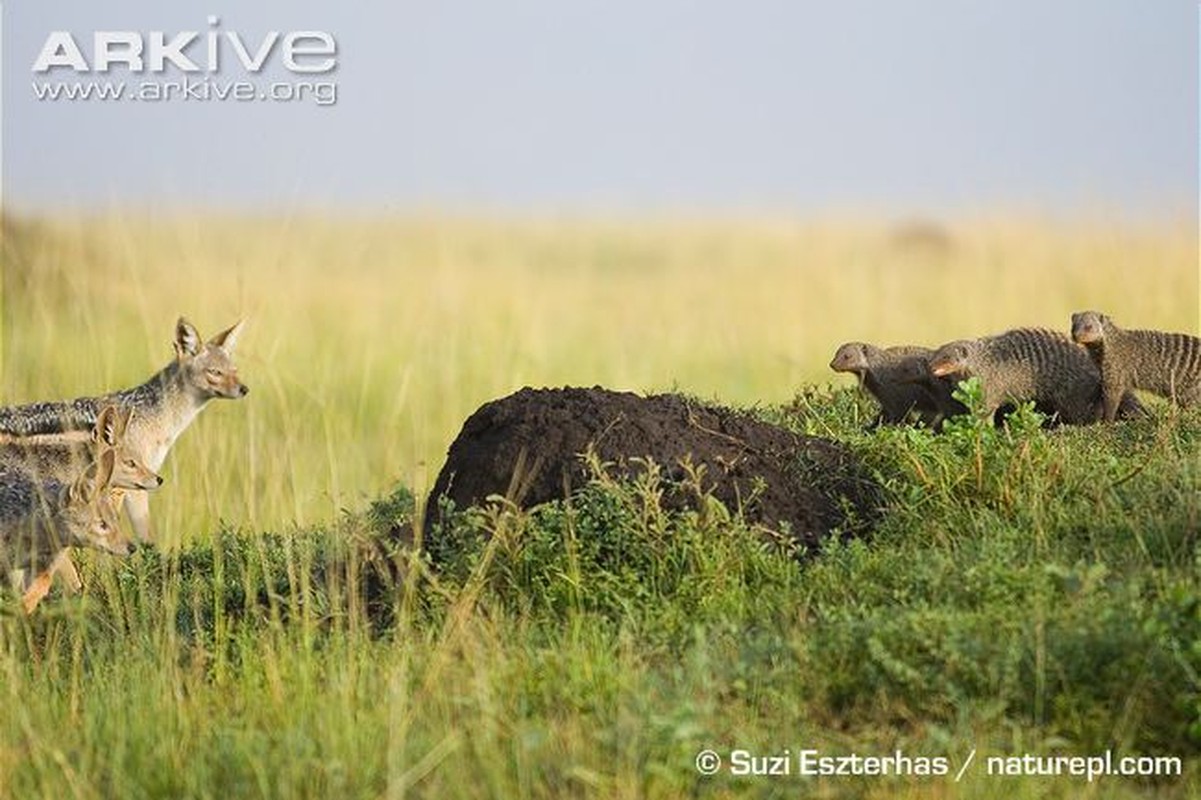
1028	590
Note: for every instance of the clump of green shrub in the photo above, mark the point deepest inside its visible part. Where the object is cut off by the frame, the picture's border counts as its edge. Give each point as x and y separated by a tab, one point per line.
615	552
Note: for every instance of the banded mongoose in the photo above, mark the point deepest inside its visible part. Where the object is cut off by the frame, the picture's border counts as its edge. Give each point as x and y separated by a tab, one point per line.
1026	364
916	370
1167	364
877	371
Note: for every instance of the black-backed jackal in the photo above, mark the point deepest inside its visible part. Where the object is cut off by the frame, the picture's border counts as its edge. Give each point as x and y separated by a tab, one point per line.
39	520
162	407
64	457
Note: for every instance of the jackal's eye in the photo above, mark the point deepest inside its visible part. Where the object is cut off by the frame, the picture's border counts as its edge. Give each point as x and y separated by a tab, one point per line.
131	463
213	372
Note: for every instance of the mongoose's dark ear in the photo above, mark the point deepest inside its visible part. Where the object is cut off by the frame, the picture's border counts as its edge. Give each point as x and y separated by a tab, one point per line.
187	340
227	339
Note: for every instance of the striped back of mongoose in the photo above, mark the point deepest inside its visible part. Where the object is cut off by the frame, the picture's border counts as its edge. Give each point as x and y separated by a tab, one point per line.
1167	364
1027	364
879	372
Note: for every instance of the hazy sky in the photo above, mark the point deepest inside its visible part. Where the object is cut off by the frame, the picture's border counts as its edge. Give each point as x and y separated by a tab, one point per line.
928	106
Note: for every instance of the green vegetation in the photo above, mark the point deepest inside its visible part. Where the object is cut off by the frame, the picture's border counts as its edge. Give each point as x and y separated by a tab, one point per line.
1028	591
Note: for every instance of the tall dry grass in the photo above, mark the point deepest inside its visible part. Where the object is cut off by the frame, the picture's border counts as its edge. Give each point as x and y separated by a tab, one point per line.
370	341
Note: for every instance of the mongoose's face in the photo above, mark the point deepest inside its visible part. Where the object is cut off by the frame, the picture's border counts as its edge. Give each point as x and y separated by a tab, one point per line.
951	359
1088	327
850	357
912	370
208	367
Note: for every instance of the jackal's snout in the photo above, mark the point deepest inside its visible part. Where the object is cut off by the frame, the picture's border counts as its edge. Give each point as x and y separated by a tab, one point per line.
124	547
144	484
232	389
221	382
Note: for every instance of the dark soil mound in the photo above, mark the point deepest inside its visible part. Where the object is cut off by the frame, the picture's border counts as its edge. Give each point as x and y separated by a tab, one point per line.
527	447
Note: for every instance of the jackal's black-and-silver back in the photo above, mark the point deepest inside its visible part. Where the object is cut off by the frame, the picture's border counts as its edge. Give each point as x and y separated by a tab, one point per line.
80	414
38	419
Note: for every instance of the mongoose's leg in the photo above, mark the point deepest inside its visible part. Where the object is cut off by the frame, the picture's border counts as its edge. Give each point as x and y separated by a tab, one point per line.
893	412
1130	407
65	568
1189	395
37	589
991	408
137	506
1111	401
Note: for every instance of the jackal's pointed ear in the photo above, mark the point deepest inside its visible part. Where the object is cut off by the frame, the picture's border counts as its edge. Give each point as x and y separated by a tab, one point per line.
108	427
121	418
187	340
227	339
104	475
95	478
100	430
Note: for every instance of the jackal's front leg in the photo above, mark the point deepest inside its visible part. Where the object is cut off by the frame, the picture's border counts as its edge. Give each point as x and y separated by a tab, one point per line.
36	590
65	569
137	507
